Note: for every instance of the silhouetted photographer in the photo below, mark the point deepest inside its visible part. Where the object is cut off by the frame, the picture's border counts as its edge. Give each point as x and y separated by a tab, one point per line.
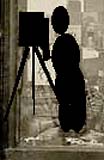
69	83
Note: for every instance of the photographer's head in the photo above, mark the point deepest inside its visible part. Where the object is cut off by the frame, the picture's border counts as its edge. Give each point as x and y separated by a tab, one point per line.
60	20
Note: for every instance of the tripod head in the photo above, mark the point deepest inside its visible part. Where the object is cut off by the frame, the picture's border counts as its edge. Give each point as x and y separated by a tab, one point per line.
34	31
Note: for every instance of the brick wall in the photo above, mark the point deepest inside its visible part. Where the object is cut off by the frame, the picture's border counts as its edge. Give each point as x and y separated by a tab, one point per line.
46	107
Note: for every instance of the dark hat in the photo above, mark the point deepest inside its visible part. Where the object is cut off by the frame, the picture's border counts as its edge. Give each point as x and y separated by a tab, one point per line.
60	19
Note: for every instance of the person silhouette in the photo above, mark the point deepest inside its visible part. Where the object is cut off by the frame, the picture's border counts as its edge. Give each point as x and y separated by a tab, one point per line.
69	82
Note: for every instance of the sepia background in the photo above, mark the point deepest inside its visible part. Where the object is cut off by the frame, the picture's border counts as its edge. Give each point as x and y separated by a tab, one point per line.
23	129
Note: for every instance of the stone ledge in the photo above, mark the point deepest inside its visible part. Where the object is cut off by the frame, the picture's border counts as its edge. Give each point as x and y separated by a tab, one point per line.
72	148
56	153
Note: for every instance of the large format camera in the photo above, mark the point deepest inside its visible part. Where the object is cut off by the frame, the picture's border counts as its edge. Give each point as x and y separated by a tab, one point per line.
34	31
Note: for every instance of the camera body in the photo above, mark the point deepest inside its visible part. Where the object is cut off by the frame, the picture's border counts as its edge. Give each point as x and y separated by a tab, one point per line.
34	31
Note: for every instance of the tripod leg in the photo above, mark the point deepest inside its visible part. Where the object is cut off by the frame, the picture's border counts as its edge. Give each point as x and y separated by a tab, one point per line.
20	71
45	69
